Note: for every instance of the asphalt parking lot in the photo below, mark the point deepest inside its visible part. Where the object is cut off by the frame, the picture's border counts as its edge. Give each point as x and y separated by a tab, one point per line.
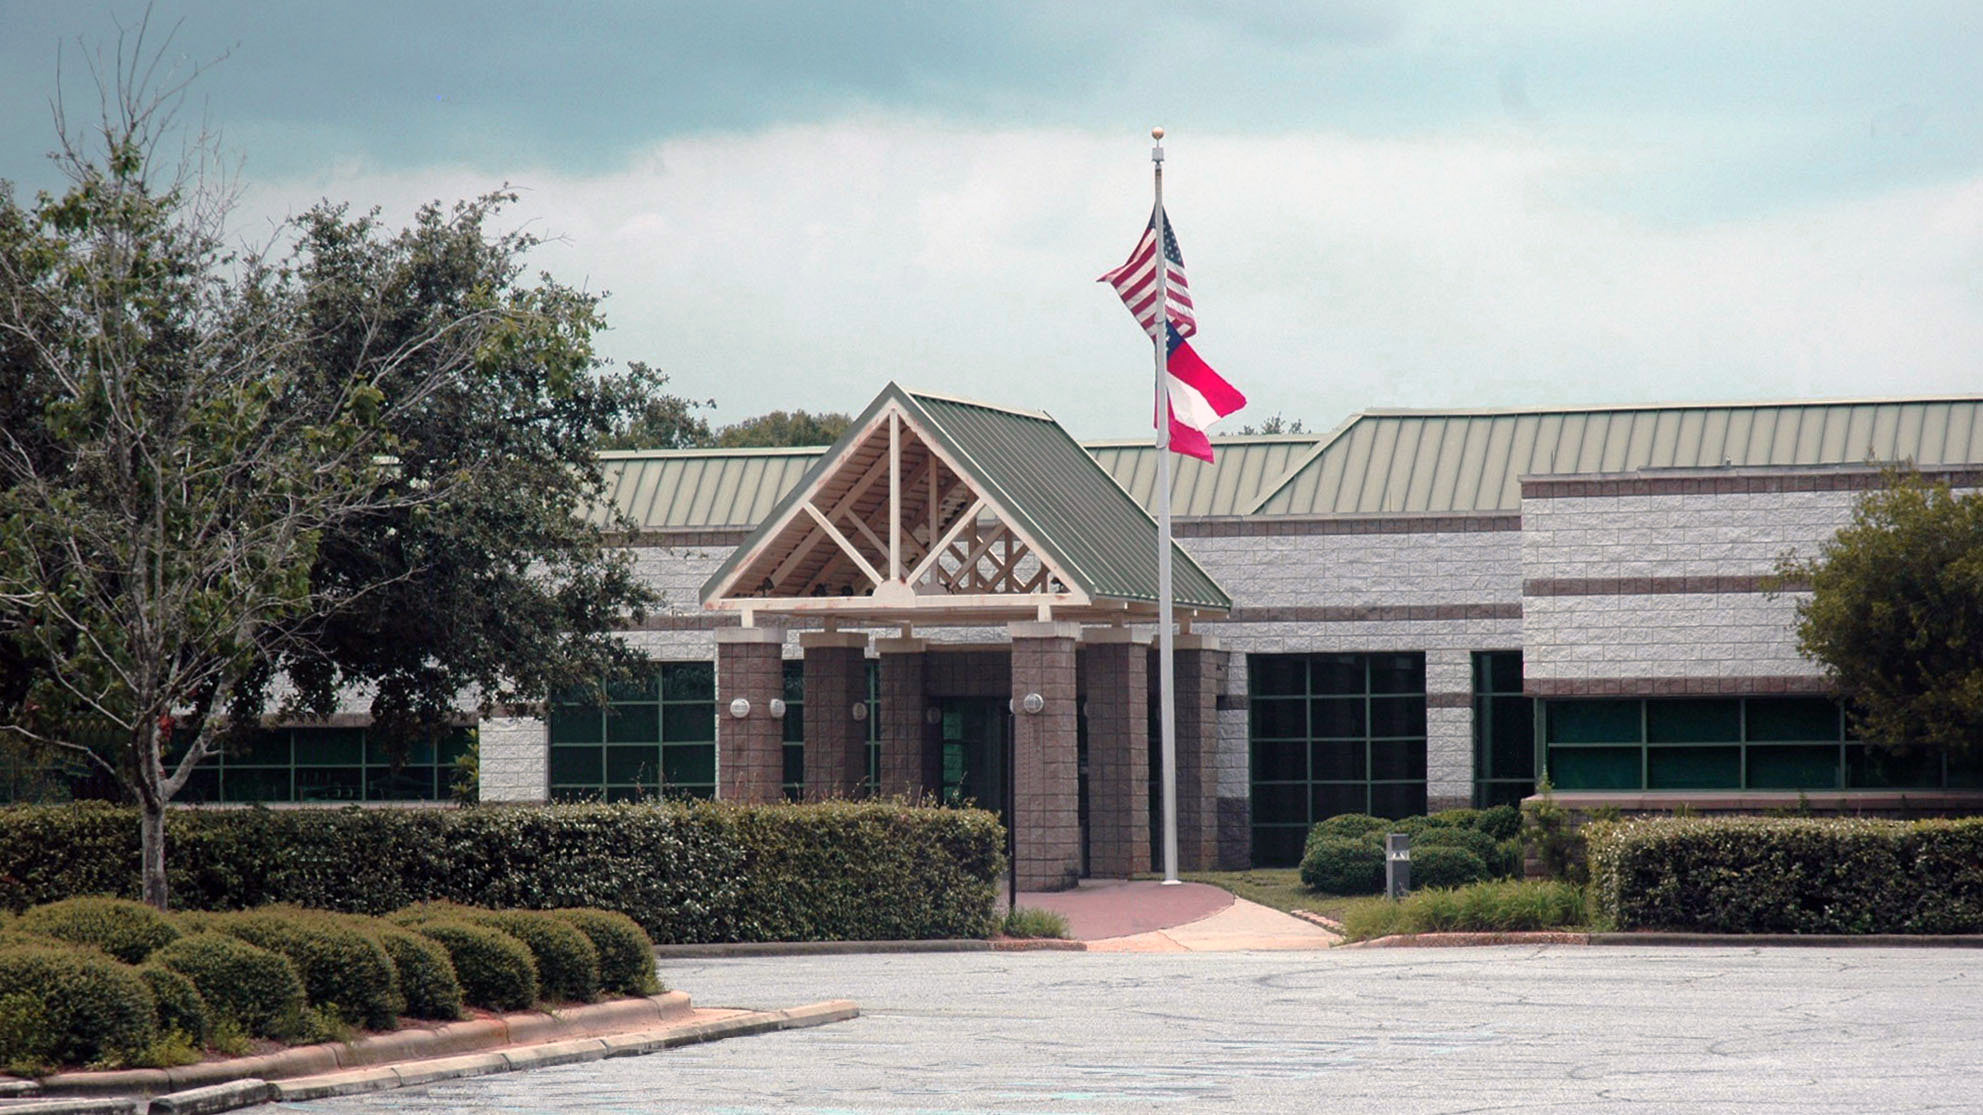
1530	1029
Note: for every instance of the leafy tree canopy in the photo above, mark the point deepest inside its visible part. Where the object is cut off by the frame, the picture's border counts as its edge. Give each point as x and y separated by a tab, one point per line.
783	428
1895	614
1273	424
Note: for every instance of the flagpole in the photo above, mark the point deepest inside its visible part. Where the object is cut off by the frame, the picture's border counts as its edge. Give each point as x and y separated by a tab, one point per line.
1166	643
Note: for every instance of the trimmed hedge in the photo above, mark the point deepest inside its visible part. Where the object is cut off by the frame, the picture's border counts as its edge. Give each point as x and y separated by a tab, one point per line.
567	963
495	969
127	930
686	872
626	955
1340	865
342	966
1788	875
1454	847
425	973
179	1004
71	1004
254	987
1435	865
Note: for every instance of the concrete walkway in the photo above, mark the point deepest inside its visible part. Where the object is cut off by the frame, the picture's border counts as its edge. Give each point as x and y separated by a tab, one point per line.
1146	916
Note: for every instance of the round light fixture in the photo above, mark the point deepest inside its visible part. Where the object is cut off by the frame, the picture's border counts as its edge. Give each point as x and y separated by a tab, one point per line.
1033	702
778	708
860	711
740	708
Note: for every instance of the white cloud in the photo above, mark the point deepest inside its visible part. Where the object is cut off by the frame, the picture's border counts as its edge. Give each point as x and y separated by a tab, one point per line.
806	266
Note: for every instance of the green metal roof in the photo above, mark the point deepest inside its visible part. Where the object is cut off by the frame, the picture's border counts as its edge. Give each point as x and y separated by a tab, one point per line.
702	488
1040	479
1386	462
1246	469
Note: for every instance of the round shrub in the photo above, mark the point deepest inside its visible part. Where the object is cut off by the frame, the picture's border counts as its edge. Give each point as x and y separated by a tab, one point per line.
179	1004
1503	822
342	967
1473	840
1350	825
129	931
426	975
567	964
71	1006
1341	866
1435	866
254	987
495	969
1456	818
626	954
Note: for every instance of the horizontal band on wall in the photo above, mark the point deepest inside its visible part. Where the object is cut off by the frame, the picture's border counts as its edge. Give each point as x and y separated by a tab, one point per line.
1659	586
1449	700
1374	613
704	536
1252	526
1843	480
1800	685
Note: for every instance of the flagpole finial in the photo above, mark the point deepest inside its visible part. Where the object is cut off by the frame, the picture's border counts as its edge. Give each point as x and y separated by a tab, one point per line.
1157	133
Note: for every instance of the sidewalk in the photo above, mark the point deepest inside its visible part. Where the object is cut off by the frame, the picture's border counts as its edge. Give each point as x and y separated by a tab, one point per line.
1146	916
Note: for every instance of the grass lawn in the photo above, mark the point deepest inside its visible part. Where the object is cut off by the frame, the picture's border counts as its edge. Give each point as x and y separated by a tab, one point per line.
1278	887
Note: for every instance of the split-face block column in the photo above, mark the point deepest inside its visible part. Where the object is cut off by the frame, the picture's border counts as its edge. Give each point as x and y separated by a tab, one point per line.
836	685
1197	664
1046	792
903	726
1117	668
750	755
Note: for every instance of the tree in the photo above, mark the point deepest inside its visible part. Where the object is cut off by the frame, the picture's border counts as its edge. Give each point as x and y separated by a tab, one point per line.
1273	424
1895	614
360	459
660	420
782	428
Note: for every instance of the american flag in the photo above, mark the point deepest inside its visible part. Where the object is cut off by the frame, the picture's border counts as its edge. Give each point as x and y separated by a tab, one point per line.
1136	281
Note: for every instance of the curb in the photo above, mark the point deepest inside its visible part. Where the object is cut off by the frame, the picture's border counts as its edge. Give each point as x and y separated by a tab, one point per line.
1323	920
818	948
1796	940
249	1091
1037	944
636	1044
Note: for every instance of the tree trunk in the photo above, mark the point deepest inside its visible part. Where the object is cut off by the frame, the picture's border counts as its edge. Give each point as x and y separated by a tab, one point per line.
151	845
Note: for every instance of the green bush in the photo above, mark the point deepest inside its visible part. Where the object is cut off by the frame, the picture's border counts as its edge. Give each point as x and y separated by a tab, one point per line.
127	930
179	1004
1349	826
424	973
1438	866
343	967
1339	865
1502	822
1504	906
1031	922
626	955
71	1005
1473	840
495	969
685	871
1788	875
252	987
567	963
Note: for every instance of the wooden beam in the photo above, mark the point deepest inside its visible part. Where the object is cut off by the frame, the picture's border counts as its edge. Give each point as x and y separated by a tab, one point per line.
805	546
939	545
894	495
846	547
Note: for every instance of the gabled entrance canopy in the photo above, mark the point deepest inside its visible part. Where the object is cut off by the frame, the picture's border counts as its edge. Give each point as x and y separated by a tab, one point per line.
944	511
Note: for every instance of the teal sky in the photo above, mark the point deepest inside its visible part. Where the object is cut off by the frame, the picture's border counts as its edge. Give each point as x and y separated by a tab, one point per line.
1383	204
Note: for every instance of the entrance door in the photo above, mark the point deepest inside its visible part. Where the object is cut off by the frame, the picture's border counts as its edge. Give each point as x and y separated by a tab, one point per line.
973	758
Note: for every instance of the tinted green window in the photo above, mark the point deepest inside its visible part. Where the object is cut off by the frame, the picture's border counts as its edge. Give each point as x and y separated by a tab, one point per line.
659	731
1503	730
1694	768
576	724
688	765
1784	767
1330	734
1596	768
681	723
1876	768
633	724
1792	719
321	764
1715	721
1594	721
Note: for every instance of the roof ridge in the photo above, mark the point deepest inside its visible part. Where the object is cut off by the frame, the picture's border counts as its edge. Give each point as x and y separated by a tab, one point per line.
1744	404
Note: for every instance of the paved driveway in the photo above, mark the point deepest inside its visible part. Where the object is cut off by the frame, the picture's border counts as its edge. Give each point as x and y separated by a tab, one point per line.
1531	1029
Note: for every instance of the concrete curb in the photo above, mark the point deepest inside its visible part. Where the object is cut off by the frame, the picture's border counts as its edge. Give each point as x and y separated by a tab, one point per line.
1323	920
1037	944
562	1053
585	1020
1795	940
818	948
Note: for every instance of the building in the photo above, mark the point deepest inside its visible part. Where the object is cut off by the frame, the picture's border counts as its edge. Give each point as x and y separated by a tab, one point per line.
1413	611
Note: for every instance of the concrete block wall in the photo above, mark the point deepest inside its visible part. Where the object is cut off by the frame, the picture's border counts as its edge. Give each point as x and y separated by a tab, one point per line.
515	758
1663	591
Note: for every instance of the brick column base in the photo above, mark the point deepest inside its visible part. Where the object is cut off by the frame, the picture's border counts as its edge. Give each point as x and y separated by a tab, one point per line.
750	750
1117	671
1199	664
1046	825
903	729
836	743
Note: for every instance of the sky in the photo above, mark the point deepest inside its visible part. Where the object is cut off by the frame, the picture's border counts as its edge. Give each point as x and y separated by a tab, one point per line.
1382	203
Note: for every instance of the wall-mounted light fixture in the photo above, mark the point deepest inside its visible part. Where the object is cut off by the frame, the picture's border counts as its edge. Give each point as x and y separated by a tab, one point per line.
932	715
859	712
778	708
740	708
1033	702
